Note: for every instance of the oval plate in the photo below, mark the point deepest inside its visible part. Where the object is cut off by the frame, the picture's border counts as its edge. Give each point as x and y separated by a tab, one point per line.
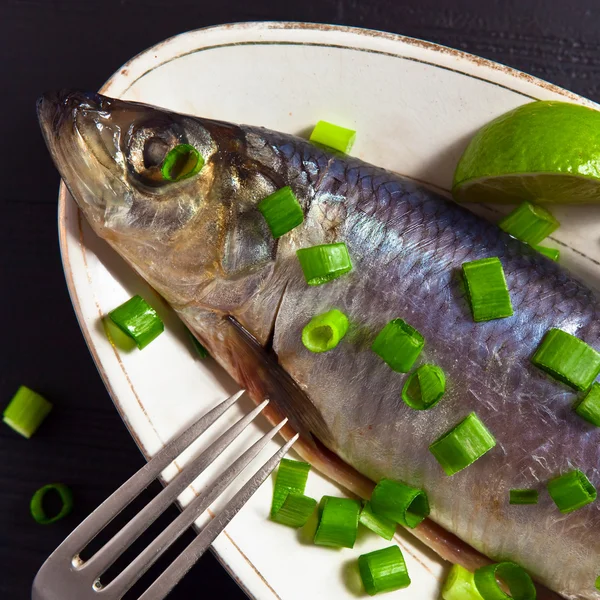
415	105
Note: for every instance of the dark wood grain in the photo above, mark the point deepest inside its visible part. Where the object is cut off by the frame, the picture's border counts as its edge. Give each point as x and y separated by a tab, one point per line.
47	44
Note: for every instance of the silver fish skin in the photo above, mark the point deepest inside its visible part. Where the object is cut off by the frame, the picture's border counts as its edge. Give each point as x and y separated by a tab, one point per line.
202	245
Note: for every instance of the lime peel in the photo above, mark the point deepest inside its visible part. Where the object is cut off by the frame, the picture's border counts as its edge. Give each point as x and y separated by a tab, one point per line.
544	151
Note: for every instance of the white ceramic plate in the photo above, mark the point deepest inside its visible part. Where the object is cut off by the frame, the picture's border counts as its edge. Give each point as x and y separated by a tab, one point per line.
415	105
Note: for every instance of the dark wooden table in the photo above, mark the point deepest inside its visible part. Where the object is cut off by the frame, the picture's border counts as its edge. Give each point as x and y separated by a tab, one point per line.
47	44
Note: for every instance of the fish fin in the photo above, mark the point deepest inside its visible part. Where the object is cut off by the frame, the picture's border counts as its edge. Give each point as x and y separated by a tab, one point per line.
256	368
263	375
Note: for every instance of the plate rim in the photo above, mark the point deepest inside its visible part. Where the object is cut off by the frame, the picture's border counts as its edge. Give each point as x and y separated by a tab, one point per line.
227	552
298	26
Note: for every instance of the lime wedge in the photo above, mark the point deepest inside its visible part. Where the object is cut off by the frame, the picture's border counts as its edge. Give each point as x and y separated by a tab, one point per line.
548	152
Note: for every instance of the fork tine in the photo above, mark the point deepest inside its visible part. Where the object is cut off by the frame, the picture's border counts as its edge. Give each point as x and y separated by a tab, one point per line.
113	505
125	580
186	560
111	551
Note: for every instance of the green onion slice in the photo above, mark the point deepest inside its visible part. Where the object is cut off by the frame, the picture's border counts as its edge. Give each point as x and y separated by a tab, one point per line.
116	337
291	479
181	162
383	570
568	359
571	491
523	497
324	332
487	289
377	523
551	253
281	211
26	411
588	407
424	388
399	502
333	136
516	579
462	445
201	351
138	320
37	503
598	582
460	585
399	345
321	264
529	223
338	522
295	510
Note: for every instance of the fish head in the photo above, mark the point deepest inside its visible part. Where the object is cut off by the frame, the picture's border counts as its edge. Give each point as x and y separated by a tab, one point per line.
197	239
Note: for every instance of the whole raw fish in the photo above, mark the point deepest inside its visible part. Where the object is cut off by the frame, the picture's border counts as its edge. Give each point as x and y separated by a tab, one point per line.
203	245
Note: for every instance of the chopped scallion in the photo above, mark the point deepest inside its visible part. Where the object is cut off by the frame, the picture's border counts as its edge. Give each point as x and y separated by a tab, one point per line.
324	332
460	585
321	264
523	497
338	522
516	579
181	162
598	582
400	502
37	503
383	570
462	445
333	136
568	359
487	289
551	253
588	407
26	411
291	479
281	211
399	345
116	337
377	523
295	510
138	320
424	388
529	223
571	491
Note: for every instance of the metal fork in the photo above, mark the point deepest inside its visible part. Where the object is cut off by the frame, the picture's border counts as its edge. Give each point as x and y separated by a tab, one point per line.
65	576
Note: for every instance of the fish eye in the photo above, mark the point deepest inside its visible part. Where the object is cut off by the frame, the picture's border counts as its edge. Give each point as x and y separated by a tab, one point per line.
147	146
154	152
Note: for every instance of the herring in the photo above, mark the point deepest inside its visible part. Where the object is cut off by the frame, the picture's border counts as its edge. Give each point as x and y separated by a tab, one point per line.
203	245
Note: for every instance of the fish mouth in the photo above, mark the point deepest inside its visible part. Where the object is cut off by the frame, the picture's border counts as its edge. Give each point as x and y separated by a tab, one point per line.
59	113
84	143
66	115
56	108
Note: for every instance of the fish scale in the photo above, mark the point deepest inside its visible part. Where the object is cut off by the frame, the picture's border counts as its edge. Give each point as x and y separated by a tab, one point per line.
491	381
244	296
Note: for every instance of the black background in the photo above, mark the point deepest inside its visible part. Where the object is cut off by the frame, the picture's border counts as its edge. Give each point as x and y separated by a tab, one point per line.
46	44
